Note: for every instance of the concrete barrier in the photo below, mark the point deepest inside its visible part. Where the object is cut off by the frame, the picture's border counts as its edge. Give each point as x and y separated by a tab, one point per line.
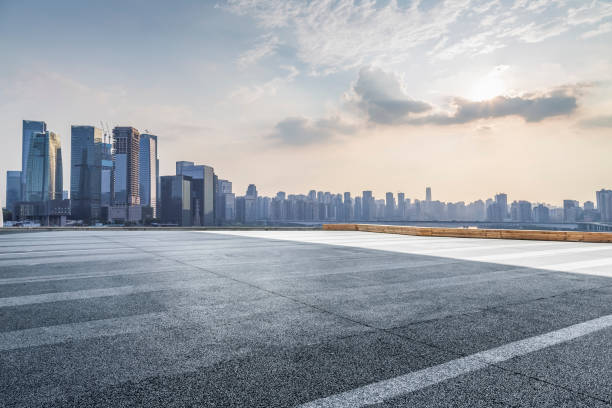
537	235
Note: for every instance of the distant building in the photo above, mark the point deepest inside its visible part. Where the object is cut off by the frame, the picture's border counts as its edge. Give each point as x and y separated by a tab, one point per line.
202	191
44	179
541	214
428	194
29	128
389	206
401	206
85	172
126	155
571	210
368	206
604	205
13	190
225	205
175	199
502	201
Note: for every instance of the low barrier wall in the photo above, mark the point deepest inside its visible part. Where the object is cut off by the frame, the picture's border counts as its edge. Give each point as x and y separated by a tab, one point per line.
573	236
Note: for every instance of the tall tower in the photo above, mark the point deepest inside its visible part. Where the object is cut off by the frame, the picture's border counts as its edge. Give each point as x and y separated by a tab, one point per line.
85	172
126	146
44	168
29	128
149	173
428	194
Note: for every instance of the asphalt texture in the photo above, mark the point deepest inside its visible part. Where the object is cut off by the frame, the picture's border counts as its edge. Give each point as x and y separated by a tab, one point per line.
186	318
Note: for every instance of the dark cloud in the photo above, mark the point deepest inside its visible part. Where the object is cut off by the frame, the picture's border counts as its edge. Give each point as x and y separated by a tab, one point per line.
597	121
532	108
299	131
380	95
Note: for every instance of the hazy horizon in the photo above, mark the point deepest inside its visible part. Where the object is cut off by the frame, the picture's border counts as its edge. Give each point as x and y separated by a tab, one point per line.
470	97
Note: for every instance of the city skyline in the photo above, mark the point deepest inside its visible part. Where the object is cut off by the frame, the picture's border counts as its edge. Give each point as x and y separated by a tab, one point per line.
471	97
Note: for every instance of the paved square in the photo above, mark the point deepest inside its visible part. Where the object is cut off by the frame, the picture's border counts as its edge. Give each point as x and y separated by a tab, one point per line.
312	318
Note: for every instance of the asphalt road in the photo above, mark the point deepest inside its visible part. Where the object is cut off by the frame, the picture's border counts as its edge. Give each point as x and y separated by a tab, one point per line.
267	319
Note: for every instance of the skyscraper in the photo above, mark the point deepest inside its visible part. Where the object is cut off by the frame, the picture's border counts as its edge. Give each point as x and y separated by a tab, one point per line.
13	189
202	191
149	173
604	204
29	128
502	201
367	206
175	197
44	168
401	206
428	194
126	145
389	206
85	172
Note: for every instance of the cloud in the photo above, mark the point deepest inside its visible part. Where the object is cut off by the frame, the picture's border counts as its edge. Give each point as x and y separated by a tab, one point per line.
602	29
340	35
250	94
531	107
300	131
267	46
597	121
381	96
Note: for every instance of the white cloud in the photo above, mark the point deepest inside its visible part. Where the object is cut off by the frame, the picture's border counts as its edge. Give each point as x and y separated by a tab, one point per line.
250	94
337	35
265	47
602	29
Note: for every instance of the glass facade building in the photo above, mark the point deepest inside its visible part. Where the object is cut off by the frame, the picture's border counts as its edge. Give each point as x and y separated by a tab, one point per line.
13	189
85	172
175	197
126	153
44	168
149	173
202	191
29	128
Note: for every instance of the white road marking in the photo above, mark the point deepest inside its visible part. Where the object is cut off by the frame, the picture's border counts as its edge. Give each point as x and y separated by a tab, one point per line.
96	293
383	390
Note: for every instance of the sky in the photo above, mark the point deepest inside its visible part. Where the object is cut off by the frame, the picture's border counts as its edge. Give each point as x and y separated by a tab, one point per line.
470	97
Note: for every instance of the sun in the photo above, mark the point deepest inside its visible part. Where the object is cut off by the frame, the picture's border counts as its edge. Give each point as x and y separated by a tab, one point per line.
490	85
487	88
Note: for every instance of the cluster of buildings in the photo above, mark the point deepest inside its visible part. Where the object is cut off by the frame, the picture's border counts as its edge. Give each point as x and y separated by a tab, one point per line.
114	178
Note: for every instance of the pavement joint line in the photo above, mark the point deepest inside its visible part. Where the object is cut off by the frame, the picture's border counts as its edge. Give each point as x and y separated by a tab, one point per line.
380	391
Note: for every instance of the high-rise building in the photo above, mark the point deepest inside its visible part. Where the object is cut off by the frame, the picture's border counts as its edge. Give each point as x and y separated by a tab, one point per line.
202	191
389	206
126	155
106	175
541	214
570	210
29	128
44	179
368	207
13	189
225	202
85	172
428	194
175	198
604	204
149	174
401	206
502	201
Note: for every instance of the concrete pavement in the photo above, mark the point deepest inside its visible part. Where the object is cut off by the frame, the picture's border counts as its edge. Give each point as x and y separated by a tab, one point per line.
312	318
